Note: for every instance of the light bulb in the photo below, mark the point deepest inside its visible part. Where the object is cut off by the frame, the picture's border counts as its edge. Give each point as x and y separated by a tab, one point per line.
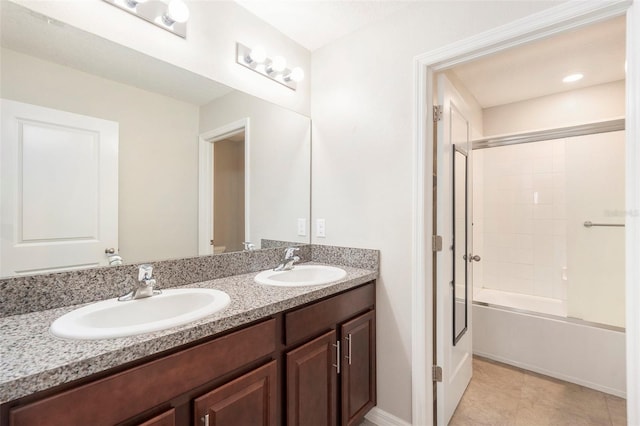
177	11
572	77
278	64
257	55
296	74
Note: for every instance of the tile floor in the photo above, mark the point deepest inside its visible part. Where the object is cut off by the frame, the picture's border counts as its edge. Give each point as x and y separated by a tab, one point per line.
503	395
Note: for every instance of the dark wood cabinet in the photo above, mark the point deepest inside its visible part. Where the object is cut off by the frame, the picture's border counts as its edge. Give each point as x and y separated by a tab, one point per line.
332	378
358	368
168	418
311	383
312	365
251	399
122	396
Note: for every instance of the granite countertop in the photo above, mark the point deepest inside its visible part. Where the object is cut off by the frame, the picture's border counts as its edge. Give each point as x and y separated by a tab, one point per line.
32	359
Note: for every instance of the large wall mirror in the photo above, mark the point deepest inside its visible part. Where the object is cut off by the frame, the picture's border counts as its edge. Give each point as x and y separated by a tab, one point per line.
199	168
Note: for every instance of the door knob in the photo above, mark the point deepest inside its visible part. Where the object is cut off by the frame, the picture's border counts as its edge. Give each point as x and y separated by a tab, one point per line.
110	251
475	258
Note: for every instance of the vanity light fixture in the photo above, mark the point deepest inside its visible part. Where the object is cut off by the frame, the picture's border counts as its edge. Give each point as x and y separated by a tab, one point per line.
177	11
572	77
274	68
296	74
171	15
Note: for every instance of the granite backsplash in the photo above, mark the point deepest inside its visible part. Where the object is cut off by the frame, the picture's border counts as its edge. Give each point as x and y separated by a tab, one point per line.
20	295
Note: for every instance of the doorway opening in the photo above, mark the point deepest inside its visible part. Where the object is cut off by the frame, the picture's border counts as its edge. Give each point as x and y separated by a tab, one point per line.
555	21
224	189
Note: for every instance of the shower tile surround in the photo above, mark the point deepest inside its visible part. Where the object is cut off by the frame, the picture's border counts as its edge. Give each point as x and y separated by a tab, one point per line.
40	360
520	219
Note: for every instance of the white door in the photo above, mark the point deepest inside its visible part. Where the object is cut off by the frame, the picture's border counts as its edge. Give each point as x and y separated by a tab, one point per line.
453	276
59	190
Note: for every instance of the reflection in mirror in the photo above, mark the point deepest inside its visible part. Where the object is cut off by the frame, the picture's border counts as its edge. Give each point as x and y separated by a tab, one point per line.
161	113
460	243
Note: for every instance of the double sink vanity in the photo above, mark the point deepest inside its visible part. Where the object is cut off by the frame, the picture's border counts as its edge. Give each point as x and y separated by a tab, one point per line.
293	347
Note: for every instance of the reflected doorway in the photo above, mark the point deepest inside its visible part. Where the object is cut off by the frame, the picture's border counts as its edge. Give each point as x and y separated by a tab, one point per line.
223	222
228	194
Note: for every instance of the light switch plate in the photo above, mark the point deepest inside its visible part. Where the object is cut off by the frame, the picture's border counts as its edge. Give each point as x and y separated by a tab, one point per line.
302	227
320	228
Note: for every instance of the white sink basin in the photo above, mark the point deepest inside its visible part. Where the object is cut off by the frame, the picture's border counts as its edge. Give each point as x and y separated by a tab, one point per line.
111	318
301	275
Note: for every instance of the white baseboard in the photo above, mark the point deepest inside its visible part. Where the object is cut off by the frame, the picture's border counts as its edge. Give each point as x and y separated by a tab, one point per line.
382	418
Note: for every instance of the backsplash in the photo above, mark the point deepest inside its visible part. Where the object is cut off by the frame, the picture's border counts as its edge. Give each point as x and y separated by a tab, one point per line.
20	295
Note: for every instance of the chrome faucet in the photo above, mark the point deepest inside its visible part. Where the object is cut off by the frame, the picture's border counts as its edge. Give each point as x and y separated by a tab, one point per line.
145	285
289	259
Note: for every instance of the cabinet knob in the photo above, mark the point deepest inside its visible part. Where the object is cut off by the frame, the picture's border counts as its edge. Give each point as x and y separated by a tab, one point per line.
205	420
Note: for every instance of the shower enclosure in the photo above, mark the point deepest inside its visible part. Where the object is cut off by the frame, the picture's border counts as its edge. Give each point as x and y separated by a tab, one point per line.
548	221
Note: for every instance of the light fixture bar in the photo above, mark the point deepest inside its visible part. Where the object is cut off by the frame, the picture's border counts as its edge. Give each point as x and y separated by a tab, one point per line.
272	68
170	15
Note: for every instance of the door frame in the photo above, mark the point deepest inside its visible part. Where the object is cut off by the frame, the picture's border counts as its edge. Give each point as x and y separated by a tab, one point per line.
555	20
205	180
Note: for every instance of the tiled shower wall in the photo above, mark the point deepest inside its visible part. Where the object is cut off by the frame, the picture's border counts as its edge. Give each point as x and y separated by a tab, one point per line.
520	218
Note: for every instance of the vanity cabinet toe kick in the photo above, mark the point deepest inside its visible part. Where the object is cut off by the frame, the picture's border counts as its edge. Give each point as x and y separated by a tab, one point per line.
312	365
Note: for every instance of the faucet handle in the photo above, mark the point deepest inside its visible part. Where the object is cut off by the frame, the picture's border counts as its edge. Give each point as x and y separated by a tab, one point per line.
144	272
288	254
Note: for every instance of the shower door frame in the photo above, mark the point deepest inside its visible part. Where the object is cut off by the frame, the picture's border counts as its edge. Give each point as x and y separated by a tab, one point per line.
555	20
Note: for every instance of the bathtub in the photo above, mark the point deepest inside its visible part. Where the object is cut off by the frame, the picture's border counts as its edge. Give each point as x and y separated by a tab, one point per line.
507	328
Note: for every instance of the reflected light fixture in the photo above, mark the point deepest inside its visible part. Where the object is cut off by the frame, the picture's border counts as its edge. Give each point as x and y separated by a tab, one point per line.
177	11
572	77
275	68
170	15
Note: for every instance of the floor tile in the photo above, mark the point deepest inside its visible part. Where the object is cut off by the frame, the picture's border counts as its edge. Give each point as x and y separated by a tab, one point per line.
617	410
503	395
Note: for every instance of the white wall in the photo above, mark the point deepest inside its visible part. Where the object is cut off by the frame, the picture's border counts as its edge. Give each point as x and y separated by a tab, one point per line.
213	29
158	150
594	103
279	144
362	89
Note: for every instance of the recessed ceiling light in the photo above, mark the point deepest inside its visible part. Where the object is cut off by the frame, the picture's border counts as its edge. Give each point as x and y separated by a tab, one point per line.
572	77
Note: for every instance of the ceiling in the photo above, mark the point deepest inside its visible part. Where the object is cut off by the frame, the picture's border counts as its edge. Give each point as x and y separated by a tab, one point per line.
315	23
537	69
529	71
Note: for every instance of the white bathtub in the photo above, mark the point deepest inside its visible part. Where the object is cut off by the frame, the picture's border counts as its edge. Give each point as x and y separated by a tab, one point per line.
522	302
572	350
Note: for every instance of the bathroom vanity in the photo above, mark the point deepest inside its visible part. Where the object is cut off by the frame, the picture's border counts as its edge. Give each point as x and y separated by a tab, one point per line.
277	356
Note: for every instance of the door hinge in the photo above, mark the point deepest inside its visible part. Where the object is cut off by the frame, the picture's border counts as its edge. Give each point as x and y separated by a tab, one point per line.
437	113
436	373
436	243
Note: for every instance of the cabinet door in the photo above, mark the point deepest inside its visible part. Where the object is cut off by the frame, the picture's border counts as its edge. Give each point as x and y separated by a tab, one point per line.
248	400
358	368
311	383
168	418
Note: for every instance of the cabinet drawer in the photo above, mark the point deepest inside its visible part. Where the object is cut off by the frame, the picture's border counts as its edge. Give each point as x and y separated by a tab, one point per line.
168	418
123	395
318	317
